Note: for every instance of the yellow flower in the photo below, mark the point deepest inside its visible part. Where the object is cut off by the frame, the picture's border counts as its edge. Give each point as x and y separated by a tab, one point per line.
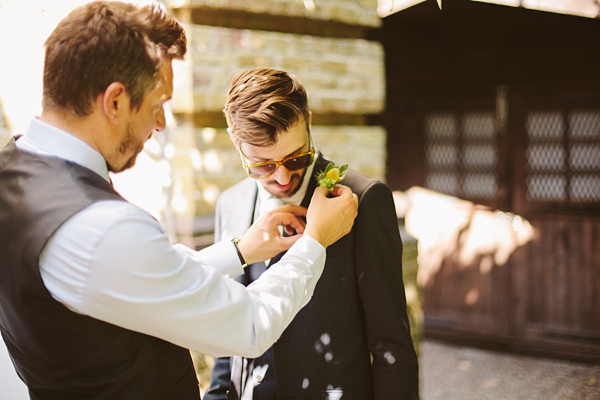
333	174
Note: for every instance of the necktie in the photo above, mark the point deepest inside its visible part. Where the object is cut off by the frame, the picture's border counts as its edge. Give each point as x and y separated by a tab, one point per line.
269	204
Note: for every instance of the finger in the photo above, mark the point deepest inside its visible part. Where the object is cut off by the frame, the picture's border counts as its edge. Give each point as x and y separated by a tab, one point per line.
342	191
321	191
291	208
298	225
355	197
290	230
287	219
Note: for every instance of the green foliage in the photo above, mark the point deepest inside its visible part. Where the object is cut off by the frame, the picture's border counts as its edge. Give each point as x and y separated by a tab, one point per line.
328	178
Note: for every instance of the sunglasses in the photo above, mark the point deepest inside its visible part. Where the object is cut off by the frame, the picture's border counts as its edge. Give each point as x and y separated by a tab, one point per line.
265	169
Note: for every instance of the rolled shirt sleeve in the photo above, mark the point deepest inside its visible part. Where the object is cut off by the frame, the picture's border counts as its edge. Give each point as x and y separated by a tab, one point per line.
112	261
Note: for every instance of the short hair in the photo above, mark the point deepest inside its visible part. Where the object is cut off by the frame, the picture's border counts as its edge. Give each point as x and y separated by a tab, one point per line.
263	103
104	42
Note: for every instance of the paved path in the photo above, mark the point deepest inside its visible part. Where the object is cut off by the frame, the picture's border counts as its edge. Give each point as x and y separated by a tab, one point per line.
452	372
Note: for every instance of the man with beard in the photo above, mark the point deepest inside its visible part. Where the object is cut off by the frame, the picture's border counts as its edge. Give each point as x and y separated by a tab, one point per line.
352	341
94	300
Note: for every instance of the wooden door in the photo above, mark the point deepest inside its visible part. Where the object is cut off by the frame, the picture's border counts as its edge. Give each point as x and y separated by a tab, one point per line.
466	287
556	277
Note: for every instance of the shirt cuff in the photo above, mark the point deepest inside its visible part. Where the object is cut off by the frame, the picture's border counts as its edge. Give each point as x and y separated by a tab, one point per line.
223	256
306	244
312	252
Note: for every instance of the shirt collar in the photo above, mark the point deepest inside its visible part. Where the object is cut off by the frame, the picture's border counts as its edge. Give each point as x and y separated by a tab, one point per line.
297	198
42	138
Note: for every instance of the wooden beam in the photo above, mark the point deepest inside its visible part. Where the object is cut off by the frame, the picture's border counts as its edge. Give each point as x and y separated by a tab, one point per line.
267	22
216	119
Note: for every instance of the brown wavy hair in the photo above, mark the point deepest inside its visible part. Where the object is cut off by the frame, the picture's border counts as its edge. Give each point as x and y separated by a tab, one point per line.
263	103
104	42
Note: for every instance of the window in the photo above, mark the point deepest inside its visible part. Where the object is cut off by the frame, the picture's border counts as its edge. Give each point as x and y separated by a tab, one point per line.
563	156
462	154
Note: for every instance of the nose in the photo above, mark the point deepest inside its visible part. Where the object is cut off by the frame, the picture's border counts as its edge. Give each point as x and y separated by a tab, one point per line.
161	122
282	175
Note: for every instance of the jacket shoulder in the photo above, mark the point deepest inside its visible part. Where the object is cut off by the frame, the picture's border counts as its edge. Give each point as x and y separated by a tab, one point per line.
358	183
361	184
242	188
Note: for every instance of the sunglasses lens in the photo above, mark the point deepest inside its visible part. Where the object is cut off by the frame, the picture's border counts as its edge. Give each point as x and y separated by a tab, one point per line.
262	171
265	170
298	162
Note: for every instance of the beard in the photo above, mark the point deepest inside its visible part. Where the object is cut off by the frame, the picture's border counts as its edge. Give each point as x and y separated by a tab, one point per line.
128	145
296	180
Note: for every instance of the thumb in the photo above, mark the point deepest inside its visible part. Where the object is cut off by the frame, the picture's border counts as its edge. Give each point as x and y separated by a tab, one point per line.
320	191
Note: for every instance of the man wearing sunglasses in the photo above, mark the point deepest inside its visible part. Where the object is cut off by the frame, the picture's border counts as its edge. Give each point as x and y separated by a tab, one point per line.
352	341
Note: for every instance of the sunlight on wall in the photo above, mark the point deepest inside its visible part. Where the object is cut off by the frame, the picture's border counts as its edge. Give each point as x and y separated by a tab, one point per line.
446	226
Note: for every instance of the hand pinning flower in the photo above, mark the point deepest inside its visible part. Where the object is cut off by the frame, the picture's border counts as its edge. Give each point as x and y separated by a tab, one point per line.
331	176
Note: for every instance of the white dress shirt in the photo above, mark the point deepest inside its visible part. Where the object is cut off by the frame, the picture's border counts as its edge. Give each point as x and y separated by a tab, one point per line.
113	262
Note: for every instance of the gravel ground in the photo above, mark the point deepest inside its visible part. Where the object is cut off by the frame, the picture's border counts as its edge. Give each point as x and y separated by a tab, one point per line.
454	372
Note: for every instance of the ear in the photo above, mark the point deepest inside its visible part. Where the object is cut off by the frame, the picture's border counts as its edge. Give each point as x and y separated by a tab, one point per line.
115	101
309	119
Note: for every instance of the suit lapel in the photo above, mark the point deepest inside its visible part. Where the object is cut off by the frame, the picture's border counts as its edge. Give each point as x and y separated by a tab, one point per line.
320	165
240	210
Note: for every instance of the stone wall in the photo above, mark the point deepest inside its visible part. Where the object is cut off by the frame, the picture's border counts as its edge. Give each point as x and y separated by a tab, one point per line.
344	78
340	75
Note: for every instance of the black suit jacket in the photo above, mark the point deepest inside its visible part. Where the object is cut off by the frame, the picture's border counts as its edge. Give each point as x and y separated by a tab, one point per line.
358	310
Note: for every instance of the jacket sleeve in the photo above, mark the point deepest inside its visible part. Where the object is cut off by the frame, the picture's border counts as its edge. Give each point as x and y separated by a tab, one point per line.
220	380
378	257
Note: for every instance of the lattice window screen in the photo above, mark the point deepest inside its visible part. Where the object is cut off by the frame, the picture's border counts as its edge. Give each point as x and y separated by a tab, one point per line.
461	154
563	156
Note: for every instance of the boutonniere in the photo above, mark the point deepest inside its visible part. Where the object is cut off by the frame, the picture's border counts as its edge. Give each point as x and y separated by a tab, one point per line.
331	176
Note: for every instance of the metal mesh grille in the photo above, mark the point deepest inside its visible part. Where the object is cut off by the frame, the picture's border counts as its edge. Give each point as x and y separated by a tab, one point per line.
585	124
461	154
563	156
441	126
546	187
546	157
545	125
584	157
